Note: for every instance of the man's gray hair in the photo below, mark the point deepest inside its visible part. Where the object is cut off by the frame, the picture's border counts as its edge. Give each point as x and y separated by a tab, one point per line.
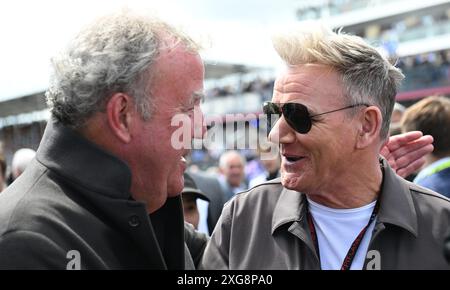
113	54
368	77
21	159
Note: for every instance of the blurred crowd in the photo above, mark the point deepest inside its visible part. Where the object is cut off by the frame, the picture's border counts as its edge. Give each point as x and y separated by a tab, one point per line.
258	85
215	176
425	70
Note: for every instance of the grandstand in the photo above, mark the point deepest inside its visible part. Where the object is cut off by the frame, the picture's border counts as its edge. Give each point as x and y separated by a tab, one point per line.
415	34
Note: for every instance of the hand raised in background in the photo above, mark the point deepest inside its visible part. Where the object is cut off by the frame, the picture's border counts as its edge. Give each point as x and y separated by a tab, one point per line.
406	152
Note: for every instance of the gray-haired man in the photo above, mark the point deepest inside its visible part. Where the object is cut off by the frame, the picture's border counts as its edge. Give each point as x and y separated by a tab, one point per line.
103	192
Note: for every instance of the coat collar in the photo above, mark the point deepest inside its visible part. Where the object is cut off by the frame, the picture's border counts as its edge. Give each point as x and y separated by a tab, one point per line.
396	204
70	155
75	159
291	207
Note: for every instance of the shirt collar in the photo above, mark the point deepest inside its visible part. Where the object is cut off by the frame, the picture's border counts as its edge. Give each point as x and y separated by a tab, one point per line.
396	204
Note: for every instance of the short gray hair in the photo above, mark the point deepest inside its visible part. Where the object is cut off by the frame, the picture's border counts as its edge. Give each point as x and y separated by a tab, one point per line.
368	77
113	54
21	160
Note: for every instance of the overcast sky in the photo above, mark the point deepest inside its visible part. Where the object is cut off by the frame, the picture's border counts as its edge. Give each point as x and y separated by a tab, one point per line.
33	31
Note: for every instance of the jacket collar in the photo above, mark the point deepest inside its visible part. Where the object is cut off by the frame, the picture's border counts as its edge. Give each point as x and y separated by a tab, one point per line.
70	155
290	211
291	207
396	204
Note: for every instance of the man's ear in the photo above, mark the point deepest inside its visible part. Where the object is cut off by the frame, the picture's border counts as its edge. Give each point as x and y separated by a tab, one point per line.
119	110
370	126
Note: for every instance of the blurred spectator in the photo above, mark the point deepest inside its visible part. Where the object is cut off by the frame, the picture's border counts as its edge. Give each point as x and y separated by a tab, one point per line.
20	161
211	187
272	170
395	128
254	168
2	173
190	194
258	86
213	170
397	113
231	166
432	116
425	70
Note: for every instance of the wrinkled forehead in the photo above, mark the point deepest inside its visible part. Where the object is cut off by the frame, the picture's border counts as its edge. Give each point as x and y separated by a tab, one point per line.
178	74
307	81
308	69
180	55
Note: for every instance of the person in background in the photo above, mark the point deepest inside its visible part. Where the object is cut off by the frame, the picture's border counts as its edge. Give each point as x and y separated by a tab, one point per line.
272	169
21	159
190	194
431	115
210	186
232	170
397	113
395	127
2	173
253	167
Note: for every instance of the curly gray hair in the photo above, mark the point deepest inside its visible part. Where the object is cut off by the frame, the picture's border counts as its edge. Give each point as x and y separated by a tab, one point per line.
113	54
368	77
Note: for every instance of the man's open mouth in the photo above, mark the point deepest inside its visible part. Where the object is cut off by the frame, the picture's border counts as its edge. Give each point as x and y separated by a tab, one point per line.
293	158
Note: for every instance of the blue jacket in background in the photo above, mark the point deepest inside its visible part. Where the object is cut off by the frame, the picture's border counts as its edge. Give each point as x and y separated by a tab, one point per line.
436	177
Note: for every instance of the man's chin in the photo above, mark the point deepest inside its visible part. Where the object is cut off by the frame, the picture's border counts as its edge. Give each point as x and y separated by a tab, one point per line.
175	188
291	181
173	193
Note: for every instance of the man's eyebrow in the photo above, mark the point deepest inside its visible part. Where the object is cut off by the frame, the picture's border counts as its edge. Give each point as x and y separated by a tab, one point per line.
197	96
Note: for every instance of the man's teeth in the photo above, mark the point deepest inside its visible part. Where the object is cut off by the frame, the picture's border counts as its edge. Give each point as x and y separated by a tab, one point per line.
183	159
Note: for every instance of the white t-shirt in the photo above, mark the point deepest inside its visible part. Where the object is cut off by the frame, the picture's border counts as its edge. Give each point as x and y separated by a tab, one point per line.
337	229
202	206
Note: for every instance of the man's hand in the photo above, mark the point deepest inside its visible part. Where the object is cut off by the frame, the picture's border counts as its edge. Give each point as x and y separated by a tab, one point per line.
405	152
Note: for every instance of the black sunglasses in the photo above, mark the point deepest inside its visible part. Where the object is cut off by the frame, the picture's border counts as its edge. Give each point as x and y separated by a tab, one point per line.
295	114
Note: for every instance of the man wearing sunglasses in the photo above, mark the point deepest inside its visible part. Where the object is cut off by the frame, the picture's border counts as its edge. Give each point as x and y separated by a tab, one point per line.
338	204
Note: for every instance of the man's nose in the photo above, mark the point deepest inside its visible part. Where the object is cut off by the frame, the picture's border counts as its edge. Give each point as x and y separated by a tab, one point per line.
281	132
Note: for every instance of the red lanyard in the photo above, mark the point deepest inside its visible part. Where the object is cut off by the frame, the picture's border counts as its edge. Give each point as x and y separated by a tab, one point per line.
355	245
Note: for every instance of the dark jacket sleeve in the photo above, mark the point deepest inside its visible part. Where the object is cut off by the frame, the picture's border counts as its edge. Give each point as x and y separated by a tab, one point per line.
29	250
196	243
